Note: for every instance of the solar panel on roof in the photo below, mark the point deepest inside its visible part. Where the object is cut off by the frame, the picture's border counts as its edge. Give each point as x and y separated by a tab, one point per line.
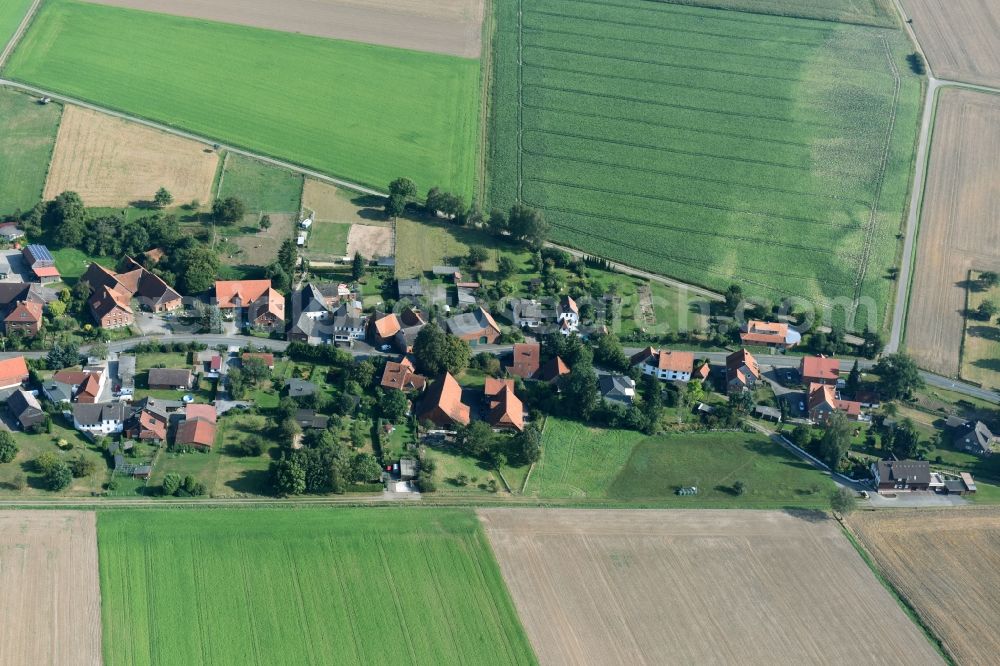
40	253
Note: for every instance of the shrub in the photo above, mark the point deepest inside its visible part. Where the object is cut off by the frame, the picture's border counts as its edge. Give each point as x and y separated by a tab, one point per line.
8	447
58	477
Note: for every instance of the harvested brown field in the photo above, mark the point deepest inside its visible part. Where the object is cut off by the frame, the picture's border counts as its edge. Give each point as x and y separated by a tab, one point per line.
50	597
371	241
452	27
959	37
696	587
947	564
112	162
958	229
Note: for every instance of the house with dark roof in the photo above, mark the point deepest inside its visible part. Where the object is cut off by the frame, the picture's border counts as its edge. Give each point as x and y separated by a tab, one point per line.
777	335
504	410
525	360
41	262
664	364
25	409
477	327
102	418
176	379
525	312
349	322
257	301
442	404
310	420
895	475
619	389
312	315
10	232
742	372
553	370
300	388
975	438
409	288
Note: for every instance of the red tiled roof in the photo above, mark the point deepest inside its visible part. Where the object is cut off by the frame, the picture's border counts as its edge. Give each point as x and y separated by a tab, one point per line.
506	409
387	326
741	358
819	368
402	376
268	359
765	332
25	311
195	411
45	271
553	369
444	399
664	359
13	371
196	431
154	423
494	386
525	362
245	291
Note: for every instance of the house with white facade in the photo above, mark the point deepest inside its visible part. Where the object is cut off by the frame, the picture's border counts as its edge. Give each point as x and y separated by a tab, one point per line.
665	365
100	419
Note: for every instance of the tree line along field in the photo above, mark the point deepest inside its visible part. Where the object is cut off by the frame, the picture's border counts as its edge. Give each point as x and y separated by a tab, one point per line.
580	462
712	146
863	12
303	587
362	112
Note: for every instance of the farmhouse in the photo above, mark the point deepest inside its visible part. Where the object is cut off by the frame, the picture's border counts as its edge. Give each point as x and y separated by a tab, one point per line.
110	301
442	404
41	263
890	475
177	379
25	409
975	438
383	328
742	372
505	410
103	418
348	322
22	304
402	376
148	423
257	301
411	323
824	400
819	370
525	313
525	360
769	334
665	365
312	313
476	327
86	386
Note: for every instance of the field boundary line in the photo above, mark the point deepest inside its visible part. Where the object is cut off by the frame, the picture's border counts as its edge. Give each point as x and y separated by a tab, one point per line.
22	28
288	166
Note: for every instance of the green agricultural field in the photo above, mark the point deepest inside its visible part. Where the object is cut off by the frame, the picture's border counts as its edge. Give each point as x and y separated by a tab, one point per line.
262	187
11	14
622	466
27	137
362	112
349	586
863	12
712	146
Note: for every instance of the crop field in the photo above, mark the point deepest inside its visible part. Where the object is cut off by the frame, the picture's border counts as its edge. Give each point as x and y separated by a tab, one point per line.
110	162
623	466
959	37
981	344
50	599
947	565
863	12
439	26
712	146
27	136
11	14
303	587
958	230
362	112
697	587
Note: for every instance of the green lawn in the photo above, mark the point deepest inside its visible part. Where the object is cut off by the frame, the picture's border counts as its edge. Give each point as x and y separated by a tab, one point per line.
327	240
27	137
281	586
32	446
623	466
72	263
362	112
262	187
707	144
11	14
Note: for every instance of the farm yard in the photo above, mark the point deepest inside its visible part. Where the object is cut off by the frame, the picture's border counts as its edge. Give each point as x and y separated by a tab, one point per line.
726	143
314	587
111	162
51	600
324	114
959	37
946	564
439	26
697	587
27	136
958	230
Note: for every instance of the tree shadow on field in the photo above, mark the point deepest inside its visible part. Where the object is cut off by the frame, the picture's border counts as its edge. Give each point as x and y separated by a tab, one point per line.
808	515
254	481
970	285
988	364
991	333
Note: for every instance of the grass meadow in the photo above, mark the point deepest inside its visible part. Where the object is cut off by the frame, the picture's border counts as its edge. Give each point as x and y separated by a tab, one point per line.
362	112
712	146
350	586
11	14
623	466
262	187
27	137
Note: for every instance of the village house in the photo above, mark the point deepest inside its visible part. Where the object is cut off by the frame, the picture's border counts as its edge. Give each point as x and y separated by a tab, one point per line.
477	327
895	475
409	288
504	410
411	323
300	388
150	420
308	419
615	388
198	428
568	315
819	370
402	376
777	335
41	263
112	293
100	419
742	372
823	400
25	409
383	328
702	371
174	379
256	301
311	316
10	232
349	322
525	312
525	360
13	372
22	305
89	385
264	357
25	317
442	404
553	370
665	365
975	438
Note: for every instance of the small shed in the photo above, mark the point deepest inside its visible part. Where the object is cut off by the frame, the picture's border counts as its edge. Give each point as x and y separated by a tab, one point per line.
767	413
407	469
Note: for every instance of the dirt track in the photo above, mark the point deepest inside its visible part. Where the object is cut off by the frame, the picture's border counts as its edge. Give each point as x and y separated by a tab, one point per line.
696	587
112	162
959	37
947	564
50	598
958	229
452	27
